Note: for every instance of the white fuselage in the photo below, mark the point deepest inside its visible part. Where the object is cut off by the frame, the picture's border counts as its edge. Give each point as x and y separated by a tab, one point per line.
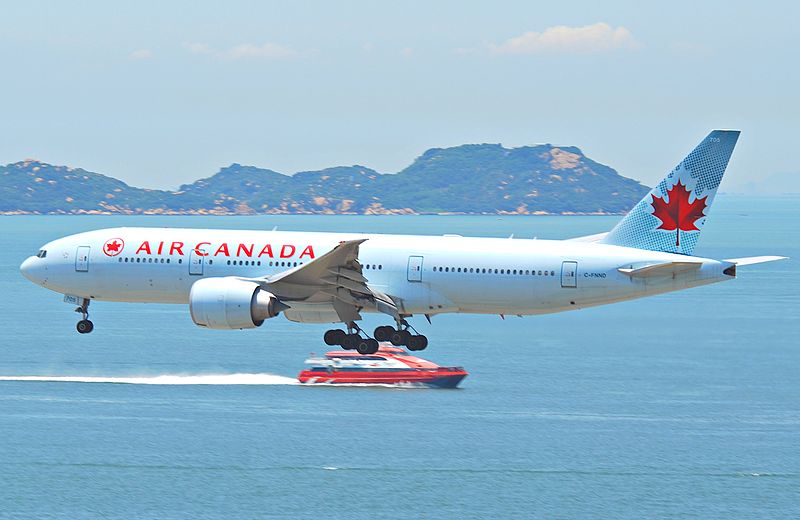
425	274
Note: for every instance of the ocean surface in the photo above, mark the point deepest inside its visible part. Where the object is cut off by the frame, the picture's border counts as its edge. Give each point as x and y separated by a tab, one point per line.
683	405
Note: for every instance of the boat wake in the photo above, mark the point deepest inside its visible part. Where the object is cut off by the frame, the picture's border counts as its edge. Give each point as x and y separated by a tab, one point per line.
166	379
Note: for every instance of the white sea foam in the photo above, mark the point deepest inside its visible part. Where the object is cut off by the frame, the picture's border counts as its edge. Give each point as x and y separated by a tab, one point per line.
167	379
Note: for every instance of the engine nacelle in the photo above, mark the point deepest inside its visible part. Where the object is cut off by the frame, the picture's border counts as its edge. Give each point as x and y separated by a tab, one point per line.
230	303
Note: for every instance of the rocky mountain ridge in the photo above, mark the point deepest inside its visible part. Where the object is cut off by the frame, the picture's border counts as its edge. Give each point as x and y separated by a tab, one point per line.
467	179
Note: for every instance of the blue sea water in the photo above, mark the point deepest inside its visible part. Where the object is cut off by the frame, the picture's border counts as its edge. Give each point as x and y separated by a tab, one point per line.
685	404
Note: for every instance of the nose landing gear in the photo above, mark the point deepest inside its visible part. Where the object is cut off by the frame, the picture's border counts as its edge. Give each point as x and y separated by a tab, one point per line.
84	326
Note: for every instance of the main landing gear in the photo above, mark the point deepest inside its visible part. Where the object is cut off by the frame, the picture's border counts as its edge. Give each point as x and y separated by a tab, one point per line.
84	326
352	340
401	336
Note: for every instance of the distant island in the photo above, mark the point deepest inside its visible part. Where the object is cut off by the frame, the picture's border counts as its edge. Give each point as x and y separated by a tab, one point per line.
467	179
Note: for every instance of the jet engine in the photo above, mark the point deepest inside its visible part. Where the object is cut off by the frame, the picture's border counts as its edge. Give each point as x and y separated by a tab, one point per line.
231	303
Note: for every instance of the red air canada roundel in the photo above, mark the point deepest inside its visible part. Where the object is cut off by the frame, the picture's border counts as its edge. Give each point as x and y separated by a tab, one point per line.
113	247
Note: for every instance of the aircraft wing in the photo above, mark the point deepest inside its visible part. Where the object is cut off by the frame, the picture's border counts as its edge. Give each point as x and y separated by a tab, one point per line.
334	279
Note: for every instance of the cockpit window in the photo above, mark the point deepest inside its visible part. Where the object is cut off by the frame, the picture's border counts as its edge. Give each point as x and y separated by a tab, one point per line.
42	253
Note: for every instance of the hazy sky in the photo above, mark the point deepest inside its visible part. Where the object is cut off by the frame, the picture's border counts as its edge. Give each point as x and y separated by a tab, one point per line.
162	93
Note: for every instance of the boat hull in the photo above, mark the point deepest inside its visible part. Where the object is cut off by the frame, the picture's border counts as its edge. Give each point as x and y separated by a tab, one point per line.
431	378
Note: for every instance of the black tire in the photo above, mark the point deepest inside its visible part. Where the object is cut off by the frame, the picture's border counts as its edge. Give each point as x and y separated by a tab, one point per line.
383	333
334	337
400	338
363	346
350	341
423	342
373	346
84	326
413	343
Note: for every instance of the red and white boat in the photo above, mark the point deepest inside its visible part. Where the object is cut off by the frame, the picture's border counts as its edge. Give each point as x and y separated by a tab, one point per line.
389	365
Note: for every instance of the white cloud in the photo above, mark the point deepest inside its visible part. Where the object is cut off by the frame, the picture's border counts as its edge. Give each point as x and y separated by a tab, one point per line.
406	52
198	48
141	54
599	37
265	51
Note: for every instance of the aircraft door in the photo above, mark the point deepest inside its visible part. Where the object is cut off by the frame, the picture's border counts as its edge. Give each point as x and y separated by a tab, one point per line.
82	259
569	274
415	268
195	263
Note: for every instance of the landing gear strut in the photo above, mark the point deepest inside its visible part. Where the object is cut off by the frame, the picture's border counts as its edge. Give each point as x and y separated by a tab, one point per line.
84	326
351	340
402	336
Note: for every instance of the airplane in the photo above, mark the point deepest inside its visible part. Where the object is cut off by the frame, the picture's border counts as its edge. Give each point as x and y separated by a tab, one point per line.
238	279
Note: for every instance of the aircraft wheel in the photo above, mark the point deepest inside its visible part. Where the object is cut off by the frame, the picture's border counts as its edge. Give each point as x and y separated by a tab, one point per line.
85	326
417	342
373	346
334	337
400	337
350	341
363	346
383	333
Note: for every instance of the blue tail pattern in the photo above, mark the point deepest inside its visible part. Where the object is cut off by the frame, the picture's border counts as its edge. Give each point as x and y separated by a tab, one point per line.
700	173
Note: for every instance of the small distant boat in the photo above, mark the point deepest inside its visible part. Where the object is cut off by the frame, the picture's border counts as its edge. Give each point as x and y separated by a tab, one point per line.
389	365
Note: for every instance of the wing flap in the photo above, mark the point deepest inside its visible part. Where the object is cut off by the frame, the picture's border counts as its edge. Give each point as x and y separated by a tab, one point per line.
333	279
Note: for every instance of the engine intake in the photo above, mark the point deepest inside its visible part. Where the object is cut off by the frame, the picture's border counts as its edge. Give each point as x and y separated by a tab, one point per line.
231	303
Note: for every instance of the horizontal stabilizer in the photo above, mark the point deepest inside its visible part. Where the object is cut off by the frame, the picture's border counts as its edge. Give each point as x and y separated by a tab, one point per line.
663	269
755	260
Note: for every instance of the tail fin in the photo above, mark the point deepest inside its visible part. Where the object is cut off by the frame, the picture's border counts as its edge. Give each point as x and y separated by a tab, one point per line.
670	217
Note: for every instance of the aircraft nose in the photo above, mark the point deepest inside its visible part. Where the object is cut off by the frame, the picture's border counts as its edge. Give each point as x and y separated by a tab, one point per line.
31	269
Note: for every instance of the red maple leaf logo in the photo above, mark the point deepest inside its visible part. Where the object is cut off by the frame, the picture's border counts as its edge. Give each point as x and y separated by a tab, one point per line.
113	247
678	214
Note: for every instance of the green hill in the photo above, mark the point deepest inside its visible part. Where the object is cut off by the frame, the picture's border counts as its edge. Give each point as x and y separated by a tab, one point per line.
483	178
